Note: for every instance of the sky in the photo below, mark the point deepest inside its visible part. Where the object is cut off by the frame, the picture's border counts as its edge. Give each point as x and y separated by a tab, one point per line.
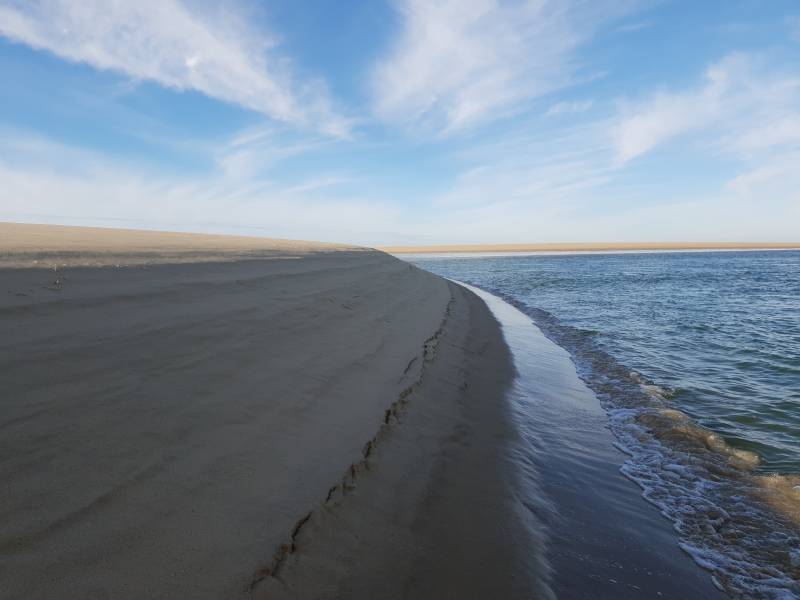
405	121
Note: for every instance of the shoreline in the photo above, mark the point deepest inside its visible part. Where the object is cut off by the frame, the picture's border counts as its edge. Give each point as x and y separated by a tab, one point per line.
434	512
302	421
604	539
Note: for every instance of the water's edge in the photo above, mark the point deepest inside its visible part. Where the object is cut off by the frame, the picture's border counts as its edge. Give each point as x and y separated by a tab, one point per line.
604	541
695	361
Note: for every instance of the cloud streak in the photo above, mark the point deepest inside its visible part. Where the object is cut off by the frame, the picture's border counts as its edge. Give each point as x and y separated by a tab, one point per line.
740	103
84	187
563	108
457	63
566	167
215	53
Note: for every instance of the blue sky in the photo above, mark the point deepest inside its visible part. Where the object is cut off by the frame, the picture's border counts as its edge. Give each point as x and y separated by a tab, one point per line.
407	121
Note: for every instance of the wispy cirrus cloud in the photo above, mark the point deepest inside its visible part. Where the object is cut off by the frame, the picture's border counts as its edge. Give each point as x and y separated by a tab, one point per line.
457	63
563	108
48	181
633	27
578	194
578	176
214	52
250	154
741	106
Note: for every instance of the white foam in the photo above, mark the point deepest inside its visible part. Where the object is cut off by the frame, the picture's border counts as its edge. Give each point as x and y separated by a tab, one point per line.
702	485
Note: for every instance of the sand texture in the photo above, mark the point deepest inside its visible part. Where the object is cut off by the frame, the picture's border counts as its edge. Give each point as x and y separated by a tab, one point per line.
434	512
23	245
197	430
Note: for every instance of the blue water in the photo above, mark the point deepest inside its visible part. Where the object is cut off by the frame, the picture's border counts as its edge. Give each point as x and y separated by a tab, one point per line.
696	358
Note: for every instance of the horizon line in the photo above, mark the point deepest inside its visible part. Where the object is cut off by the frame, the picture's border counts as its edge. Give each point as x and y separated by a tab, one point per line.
461	247
585	247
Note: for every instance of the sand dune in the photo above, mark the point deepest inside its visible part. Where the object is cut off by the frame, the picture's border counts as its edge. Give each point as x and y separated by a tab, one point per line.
23	245
167	429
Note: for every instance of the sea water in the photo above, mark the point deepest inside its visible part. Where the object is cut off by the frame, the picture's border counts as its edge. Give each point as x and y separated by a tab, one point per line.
695	357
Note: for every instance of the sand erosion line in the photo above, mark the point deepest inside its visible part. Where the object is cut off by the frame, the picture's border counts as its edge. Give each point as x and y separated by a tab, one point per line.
407	369
348	480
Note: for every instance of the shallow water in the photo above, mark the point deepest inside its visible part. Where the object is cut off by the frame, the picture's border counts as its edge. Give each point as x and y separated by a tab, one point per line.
601	540
695	358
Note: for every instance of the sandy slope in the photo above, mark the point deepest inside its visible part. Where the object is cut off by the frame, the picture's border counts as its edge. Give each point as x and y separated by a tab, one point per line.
23	245
433	513
164	427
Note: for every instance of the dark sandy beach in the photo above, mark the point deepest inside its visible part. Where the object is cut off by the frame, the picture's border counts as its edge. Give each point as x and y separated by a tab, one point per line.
214	420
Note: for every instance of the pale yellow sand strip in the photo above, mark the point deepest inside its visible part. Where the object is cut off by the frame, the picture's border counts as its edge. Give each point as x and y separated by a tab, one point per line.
589	247
23	245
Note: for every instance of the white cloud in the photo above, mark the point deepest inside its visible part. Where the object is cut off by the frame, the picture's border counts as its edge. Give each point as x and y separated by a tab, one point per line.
772	131
460	62
318	183
527	187
778	178
535	166
215	53
547	182
251	153
767	210
740	104
666	115
633	27
44	181
562	108
663	117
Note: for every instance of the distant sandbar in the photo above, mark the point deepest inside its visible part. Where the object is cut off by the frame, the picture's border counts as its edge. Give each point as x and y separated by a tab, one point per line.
589	247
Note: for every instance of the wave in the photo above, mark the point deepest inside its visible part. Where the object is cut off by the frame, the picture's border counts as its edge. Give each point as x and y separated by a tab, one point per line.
741	525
